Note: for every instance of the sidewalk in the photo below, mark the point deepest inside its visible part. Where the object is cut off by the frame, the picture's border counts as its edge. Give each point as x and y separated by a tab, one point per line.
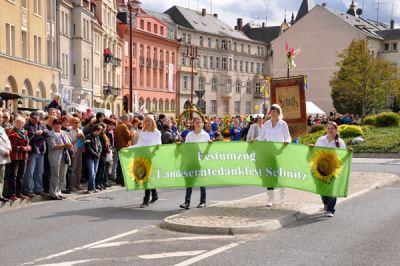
250	215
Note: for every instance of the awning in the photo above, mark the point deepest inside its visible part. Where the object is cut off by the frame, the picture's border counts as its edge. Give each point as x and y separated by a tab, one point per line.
9	96
313	109
36	99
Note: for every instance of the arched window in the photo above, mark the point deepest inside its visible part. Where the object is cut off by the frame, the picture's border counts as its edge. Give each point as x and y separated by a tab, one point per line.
154	105
172	105
248	87
160	105
166	105
141	102
228	86
148	105
237	86
214	85
201	84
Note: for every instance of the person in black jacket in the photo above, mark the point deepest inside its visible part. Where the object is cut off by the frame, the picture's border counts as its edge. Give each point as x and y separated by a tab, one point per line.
93	153
55	103
102	171
167	136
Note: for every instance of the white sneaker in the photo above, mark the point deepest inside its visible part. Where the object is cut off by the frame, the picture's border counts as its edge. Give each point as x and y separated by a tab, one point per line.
328	214
270	204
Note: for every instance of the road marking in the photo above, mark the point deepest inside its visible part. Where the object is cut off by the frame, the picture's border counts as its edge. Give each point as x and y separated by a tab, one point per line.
172	254
208	254
82	247
189	238
68	263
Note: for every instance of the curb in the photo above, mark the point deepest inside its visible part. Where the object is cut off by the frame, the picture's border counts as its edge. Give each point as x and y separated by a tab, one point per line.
265	227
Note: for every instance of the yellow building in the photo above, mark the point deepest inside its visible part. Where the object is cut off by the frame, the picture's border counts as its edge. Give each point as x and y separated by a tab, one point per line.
28	51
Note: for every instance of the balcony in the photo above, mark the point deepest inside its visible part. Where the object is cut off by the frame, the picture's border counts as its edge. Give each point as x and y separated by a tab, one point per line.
116	62
226	94
107	90
116	92
108	59
141	61
155	63
161	64
148	62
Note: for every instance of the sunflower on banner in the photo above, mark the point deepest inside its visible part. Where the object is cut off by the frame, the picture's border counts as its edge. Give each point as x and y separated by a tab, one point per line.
140	170
325	165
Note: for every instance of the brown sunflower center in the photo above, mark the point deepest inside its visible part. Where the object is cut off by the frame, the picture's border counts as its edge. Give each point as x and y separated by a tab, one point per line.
323	167
140	172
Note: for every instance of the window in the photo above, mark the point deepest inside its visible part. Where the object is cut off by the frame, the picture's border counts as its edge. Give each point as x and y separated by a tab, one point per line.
160	105
37	8
173	58
37	49
217	43
148	26
386	47
10	39
86	67
214	106
211	62
251	67
213	85
258	50
242	48
248	107
226	107
230	63
184	37
237	86
229	45
246	66
258	68
223	45
248	87
201	41
142	24
235	47
237	107
249	49
228	86
189	38
224	63
74	69
263	68
217	62
262	50
205	63
394	46
258	86
201	84
24	4
155	29
24	44
167	58
235	65
162	30
241	66
209	42
183	59
185	82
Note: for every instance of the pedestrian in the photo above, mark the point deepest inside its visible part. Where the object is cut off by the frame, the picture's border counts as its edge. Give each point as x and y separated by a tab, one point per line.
197	135
37	134
122	139
5	151
102	170
255	129
235	130
77	140
331	139
162	119
55	103
167	136
19	154
93	152
275	130
149	136
208	129
59	159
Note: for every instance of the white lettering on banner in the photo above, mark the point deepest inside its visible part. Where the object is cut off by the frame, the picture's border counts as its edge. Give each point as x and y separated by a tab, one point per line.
226	156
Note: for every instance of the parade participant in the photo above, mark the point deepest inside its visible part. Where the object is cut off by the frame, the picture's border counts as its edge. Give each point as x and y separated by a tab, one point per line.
19	154
235	131
255	129
275	130
149	136
5	150
167	136
331	139
197	135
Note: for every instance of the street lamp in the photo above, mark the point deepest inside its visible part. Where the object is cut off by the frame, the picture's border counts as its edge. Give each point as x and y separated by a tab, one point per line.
132	5
191	53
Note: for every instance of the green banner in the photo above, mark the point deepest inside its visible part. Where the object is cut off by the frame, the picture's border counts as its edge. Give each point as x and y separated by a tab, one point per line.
324	171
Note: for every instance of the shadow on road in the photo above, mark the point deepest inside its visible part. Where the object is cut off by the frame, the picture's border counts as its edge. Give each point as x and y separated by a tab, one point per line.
312	219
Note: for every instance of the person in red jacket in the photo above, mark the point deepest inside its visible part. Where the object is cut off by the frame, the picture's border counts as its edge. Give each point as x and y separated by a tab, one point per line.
19	155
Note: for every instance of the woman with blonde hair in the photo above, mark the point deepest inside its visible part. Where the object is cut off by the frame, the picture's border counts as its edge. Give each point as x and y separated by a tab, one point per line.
275	130
149	136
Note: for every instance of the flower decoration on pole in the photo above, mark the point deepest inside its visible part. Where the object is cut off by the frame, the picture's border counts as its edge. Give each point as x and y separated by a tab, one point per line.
266	85
291	54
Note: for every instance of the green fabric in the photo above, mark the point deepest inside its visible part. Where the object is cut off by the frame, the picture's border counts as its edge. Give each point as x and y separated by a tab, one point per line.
21	133
238	163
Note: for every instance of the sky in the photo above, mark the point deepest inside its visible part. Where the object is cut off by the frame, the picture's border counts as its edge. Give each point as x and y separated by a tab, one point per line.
257	10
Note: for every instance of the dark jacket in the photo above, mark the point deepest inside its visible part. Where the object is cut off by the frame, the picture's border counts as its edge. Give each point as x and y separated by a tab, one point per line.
93	147
167	137
54	104
38	143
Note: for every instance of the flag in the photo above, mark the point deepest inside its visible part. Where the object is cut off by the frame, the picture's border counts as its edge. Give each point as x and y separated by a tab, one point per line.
305	82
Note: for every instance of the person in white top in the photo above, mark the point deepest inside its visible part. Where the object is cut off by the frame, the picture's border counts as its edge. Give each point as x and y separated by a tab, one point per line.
149	136
255	129
275	130
197	135
331	139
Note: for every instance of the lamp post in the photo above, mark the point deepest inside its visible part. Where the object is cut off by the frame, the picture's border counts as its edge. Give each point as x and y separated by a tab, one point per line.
191	53
132	5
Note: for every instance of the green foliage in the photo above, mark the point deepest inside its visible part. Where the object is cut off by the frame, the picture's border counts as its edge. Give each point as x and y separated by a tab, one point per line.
311	138
317	128
387	119
363	81
350	131
370	120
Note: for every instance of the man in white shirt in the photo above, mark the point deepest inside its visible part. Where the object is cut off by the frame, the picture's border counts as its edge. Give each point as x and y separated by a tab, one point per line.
197	135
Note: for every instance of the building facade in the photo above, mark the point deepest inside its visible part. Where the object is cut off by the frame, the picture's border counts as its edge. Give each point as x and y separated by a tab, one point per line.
28	51
230	67
107	54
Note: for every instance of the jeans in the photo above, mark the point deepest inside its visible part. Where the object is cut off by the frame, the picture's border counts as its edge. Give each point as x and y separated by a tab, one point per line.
92	166
114	165
102	173
188	195
34	172
329	203
147	195
16	177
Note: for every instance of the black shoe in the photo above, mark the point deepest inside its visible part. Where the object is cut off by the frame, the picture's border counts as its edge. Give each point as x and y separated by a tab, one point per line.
185	206
103	186
4	199
201	205
40	193
144	205
67	191
99	187
154	199
107	185
30	194
55	198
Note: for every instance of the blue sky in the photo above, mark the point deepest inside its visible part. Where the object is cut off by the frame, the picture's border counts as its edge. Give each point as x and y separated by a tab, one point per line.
257	10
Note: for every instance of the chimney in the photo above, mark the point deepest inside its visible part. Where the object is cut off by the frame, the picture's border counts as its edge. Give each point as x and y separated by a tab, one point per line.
239	24
323	4
215	15
203	12
263	24
392	24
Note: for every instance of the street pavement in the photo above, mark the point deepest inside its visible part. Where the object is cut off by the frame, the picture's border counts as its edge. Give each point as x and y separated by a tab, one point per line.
109	229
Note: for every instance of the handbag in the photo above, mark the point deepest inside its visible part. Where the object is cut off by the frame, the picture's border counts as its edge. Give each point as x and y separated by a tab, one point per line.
109	156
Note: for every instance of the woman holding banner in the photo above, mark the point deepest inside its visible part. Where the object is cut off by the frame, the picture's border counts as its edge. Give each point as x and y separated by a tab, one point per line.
149	136
275	130
331	139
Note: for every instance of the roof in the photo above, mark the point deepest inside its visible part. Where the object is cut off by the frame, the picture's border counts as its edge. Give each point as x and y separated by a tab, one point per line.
162	16
193	19
263	34
389	35
305	7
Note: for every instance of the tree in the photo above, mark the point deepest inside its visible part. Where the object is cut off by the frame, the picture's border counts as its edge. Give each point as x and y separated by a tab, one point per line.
363	81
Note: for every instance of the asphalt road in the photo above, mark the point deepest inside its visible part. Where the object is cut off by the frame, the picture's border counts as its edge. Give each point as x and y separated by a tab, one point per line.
110	229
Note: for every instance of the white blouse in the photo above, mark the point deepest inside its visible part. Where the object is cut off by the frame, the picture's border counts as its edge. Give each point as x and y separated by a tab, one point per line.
324	142
148	139
201	137
279	133
254	131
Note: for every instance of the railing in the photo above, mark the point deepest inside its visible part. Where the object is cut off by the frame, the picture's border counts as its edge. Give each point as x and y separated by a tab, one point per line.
141	61
116	62
116	92
155	63
107	90
148	62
